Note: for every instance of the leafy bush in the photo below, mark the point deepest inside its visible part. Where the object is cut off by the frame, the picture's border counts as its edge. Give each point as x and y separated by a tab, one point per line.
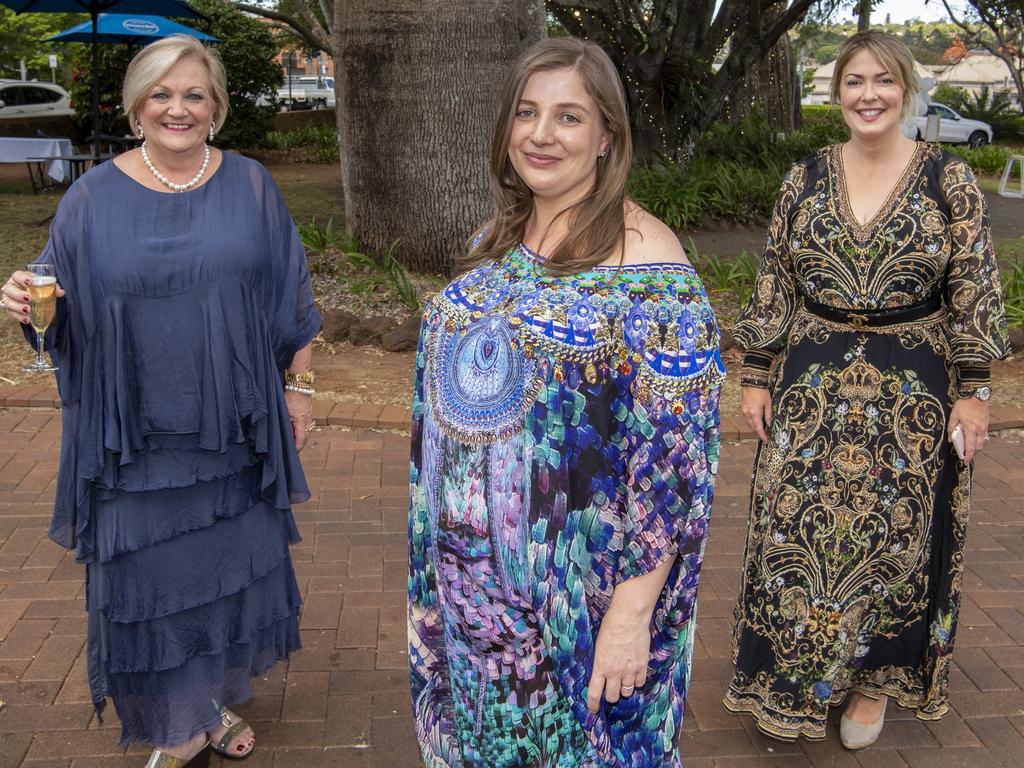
1013	291
709	188
335	253
320	140
113	61
951	96
988	105
735	174
990	158
718	274
1008	129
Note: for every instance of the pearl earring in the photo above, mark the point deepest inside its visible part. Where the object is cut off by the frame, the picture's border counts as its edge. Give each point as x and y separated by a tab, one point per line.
211	131
138	129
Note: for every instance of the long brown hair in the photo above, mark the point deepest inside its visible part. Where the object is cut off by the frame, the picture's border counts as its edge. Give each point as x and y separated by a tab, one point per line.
597	225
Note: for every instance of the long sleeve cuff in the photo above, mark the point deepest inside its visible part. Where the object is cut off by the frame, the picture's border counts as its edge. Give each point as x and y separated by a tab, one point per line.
756	365
970	377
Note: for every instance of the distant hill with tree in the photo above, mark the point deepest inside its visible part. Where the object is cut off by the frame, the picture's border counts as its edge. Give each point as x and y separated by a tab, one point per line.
928	41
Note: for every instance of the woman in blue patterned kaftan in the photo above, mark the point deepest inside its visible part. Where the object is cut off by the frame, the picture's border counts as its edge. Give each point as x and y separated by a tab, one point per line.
178	463
565	444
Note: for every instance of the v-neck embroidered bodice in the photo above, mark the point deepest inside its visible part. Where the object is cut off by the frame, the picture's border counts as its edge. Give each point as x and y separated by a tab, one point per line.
837	169
929	241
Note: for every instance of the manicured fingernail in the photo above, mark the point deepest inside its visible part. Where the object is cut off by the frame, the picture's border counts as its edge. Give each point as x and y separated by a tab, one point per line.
25	310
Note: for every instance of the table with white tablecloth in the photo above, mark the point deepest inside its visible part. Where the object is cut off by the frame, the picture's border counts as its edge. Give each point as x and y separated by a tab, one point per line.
19	150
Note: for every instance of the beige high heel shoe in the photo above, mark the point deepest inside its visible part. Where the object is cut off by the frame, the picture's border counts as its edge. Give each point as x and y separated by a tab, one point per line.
857	735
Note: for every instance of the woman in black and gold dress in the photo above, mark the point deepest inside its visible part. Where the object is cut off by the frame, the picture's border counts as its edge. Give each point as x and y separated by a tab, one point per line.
868	346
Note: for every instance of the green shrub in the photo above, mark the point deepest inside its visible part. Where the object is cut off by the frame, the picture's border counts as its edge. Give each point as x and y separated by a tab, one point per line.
320	140
734	175
335	253
990	158
710	188
1008	129
1013	291
951	96
726	274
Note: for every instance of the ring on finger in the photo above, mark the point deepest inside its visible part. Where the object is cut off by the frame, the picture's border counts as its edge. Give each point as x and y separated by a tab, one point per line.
628	687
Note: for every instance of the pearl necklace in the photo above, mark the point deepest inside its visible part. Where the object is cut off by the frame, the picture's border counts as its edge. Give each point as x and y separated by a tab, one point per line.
167	182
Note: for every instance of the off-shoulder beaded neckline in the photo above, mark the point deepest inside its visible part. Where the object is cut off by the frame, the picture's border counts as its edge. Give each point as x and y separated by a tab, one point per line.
652	266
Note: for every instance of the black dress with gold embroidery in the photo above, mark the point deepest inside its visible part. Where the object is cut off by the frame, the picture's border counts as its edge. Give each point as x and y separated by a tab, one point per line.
854	558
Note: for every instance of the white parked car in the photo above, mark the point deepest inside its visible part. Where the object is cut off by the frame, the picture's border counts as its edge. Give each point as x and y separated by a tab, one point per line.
21	98
954	129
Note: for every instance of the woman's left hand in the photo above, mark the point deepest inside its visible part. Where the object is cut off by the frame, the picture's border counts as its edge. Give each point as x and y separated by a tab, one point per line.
620	657
971	415
300	412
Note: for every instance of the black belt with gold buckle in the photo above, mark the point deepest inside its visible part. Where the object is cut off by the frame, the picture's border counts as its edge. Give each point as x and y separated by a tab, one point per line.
873	318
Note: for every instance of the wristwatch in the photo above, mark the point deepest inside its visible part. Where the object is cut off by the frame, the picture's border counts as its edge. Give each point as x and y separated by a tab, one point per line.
982	393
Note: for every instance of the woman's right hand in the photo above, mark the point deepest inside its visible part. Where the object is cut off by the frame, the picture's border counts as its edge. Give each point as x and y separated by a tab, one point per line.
15	297
757	410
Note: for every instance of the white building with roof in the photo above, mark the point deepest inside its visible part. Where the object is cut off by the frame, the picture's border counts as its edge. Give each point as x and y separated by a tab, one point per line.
977	69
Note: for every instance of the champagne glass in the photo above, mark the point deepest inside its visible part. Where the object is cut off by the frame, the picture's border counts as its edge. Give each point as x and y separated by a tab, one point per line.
42	307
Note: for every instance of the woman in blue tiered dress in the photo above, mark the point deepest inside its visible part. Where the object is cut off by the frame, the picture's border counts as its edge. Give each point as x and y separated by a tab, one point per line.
565	444
178	464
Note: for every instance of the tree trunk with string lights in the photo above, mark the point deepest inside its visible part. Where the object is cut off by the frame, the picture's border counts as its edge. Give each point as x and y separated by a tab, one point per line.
666	51
771	89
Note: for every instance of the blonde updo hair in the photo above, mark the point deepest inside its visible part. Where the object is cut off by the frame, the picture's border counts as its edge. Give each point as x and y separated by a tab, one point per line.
156	60
892	53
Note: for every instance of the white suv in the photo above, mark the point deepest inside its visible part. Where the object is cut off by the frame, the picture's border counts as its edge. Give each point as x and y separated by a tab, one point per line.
21	98
954	129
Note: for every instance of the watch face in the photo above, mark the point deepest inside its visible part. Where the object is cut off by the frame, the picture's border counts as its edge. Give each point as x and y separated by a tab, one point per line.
983	393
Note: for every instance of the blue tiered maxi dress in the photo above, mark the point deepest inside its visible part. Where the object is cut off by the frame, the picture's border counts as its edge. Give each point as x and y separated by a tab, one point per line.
178	467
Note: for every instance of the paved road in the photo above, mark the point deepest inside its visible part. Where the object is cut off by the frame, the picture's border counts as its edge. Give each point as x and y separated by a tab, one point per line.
342	700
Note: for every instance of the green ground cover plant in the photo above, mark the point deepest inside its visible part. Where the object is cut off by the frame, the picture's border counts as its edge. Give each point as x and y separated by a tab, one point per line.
320	142
335	253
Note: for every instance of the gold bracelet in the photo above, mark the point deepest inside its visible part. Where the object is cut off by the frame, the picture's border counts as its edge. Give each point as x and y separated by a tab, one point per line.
301	379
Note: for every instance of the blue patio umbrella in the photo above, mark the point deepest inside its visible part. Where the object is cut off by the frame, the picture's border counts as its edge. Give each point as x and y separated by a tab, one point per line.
94	8
127	29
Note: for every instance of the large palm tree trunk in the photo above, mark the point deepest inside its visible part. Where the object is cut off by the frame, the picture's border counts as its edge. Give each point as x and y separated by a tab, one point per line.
417	83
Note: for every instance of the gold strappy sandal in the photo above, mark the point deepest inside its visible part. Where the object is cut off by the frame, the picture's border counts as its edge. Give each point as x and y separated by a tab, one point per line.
160	759
235	726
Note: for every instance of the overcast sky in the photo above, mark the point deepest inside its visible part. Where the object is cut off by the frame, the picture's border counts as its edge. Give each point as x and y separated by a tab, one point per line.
901	10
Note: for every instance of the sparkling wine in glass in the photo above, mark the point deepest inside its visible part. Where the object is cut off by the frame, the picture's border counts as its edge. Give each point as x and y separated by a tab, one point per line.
41	309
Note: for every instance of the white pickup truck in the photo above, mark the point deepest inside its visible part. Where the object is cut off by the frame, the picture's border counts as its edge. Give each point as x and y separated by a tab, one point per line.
307	93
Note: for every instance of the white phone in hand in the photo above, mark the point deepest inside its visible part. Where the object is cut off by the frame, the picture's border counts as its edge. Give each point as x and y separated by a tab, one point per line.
957	439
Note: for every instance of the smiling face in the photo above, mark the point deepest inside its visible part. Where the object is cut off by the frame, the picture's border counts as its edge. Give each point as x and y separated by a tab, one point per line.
557	134
870	96
177	112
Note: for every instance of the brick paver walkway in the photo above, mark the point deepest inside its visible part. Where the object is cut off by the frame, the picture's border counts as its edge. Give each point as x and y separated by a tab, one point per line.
342	700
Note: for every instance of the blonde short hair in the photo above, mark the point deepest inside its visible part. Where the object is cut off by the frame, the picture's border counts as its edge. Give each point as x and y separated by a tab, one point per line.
156	60
892	53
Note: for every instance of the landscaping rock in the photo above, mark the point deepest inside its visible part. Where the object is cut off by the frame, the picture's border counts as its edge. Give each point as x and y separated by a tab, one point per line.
369	330
337	323
404	336
1017	339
